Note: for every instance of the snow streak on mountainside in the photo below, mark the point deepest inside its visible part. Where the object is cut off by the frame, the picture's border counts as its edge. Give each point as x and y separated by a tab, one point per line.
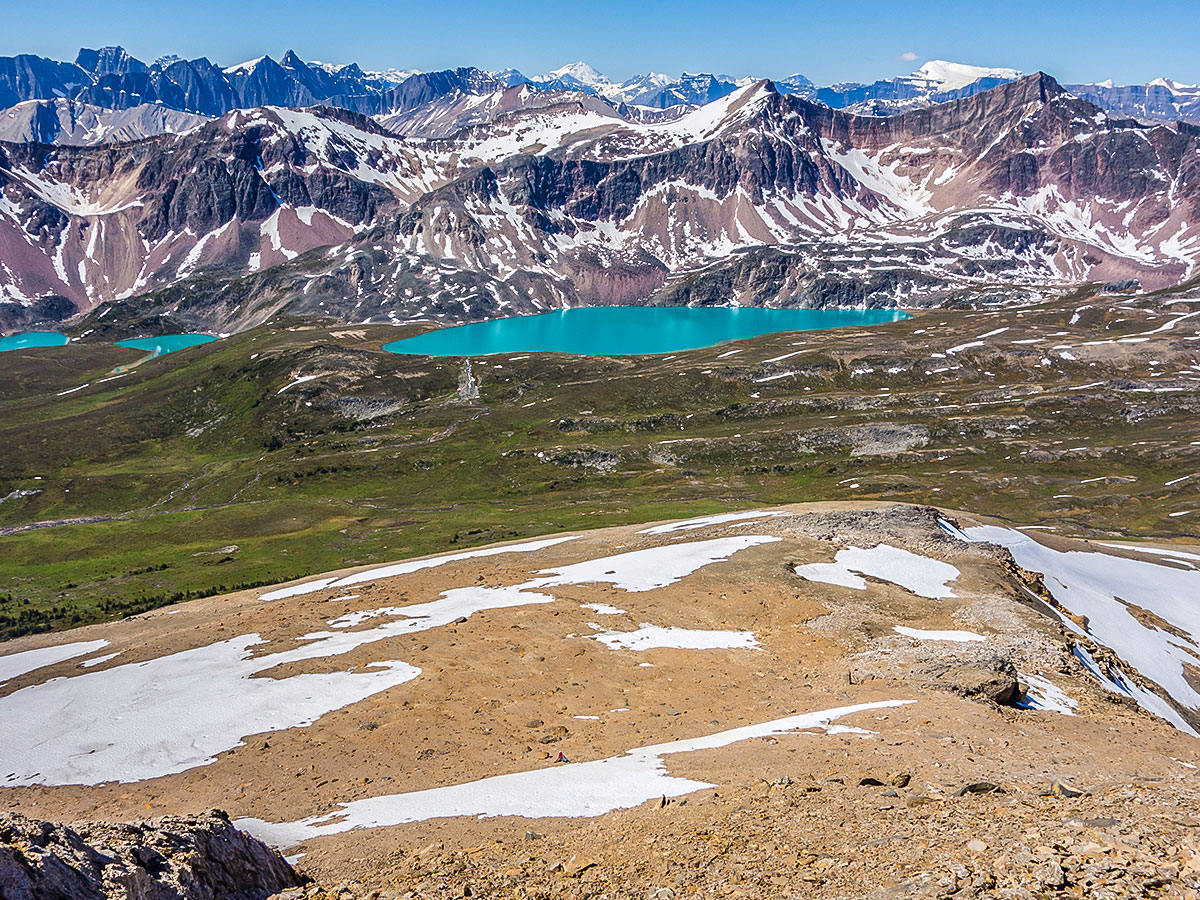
555	199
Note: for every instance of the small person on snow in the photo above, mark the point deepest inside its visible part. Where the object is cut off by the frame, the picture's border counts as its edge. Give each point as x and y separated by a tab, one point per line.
561	758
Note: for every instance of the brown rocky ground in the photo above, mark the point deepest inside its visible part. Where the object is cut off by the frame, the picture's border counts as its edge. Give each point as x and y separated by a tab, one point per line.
827	837
792	815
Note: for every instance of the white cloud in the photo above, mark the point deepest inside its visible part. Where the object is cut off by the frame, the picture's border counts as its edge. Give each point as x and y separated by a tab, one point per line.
909	56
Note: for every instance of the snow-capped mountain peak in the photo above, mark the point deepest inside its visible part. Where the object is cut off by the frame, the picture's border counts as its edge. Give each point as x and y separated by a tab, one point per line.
244	68
331	68
391	74
577	71
941	75
647	81
497	201
510	76
1172	85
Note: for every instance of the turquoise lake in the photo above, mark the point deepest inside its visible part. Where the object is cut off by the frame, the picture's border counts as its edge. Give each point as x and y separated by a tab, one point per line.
32	339
629	330
166	343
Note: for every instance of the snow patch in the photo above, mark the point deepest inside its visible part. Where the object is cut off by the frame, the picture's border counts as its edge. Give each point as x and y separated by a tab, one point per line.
961	637
647	570
1043	694
603	609
15	664
650	637
919	574
408	567
705	521
166	715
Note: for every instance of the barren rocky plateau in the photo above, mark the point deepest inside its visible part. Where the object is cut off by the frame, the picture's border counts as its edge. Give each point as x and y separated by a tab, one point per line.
958	793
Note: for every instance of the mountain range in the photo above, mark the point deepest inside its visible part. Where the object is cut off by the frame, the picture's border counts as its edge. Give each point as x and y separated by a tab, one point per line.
110	79
455	195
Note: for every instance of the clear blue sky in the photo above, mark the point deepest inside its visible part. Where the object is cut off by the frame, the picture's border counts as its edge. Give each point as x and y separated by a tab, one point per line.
1074	41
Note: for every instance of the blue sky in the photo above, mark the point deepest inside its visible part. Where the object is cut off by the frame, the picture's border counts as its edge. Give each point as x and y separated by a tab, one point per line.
1075	41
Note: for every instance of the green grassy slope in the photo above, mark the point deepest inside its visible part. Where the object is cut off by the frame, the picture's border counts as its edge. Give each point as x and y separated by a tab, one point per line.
193	473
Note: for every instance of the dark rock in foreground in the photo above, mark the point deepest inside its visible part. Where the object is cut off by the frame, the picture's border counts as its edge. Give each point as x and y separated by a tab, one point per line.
178	857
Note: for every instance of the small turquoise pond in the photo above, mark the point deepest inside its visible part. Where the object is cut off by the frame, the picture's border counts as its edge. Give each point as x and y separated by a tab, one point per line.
629	330
32	339
166	343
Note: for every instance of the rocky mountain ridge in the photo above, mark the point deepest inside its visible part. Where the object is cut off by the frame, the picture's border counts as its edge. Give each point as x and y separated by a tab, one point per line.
548	200
71	122
109	78
1162	98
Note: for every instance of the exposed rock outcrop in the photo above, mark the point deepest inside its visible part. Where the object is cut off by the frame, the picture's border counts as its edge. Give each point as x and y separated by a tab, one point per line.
173	858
